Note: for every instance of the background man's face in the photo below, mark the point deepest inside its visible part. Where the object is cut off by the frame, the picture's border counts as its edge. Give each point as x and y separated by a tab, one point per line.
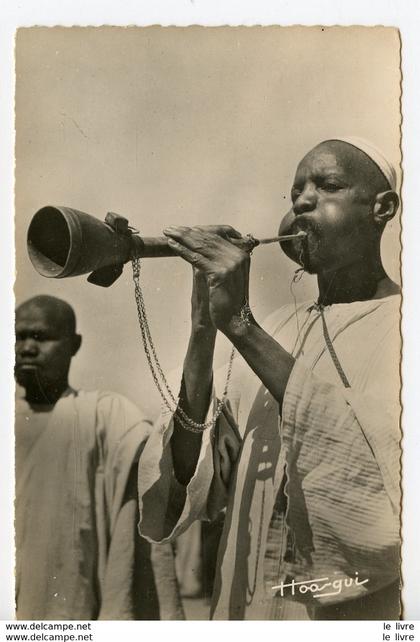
332	203
43	349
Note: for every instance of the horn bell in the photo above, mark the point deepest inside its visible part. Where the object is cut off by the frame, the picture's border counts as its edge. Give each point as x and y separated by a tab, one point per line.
65	242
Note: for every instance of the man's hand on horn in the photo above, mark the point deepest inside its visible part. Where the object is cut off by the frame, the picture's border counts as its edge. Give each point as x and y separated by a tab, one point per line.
225	267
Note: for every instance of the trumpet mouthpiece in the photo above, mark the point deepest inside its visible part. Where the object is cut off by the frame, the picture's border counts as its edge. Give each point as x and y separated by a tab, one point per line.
285	237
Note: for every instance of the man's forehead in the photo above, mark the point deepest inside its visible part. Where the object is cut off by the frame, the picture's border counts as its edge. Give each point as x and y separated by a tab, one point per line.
40	316
336	156
31	312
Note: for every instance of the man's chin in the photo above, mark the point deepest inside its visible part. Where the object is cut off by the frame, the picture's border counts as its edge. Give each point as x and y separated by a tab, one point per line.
300	255
309	269
26	375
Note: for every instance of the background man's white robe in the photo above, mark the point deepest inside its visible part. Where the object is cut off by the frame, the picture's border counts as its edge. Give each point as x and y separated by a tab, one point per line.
74	539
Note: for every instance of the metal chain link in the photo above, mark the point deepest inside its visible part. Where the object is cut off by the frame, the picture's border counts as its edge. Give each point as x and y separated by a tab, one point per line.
170	401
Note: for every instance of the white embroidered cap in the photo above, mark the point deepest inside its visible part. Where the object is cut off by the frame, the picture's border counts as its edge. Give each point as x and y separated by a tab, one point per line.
375	154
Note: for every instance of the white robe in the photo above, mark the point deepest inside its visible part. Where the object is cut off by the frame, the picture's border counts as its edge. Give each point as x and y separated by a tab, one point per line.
70	485
338	447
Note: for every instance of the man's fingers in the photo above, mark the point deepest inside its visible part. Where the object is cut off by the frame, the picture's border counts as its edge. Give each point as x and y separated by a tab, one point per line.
194	239
184	235
176	231
225	231
203	240
194	258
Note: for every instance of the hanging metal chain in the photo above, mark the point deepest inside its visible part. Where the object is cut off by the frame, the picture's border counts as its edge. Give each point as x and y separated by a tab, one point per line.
170	401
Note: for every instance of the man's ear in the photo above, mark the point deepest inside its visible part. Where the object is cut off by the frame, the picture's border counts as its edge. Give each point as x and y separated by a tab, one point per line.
76	343
385	207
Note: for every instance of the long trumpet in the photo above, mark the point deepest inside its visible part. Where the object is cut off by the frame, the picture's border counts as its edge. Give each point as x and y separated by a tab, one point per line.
64	242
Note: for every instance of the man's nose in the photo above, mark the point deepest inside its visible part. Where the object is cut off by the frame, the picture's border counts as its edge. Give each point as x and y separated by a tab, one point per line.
306	201
29	347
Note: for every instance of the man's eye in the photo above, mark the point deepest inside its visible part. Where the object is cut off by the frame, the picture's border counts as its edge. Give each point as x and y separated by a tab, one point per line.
331	187
294	194
38	336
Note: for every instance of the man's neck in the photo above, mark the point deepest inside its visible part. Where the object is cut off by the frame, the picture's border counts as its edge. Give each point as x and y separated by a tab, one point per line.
356	282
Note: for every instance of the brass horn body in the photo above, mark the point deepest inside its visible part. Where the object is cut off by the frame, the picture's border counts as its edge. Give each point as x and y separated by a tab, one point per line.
64	242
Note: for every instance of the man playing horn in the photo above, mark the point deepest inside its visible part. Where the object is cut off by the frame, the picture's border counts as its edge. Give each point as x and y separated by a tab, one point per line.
304	454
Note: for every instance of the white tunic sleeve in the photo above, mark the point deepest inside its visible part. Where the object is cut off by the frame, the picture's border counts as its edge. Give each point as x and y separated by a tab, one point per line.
167	508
